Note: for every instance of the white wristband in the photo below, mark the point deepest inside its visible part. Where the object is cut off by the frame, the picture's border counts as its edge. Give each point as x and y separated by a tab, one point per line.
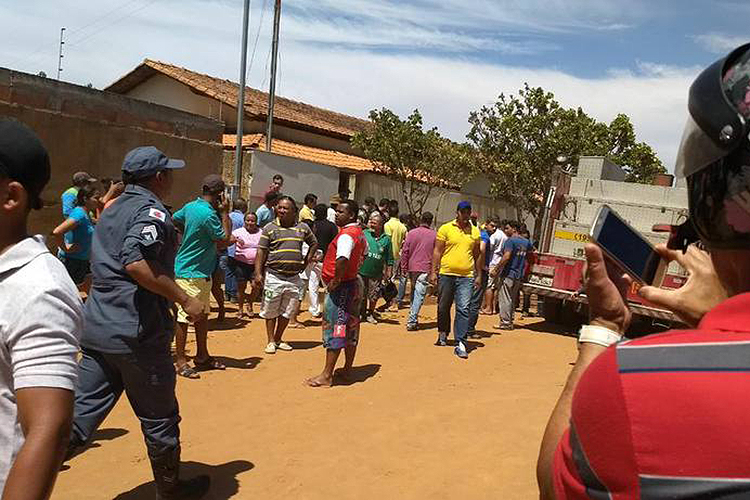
600	335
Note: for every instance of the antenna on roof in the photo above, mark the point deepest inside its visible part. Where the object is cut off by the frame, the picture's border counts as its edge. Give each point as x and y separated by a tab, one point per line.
274	59
60	55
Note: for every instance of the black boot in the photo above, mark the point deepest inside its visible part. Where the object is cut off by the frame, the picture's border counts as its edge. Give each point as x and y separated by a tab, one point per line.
166	468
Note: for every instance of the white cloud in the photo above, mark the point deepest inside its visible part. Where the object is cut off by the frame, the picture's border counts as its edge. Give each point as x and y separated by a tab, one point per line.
444	84
719	43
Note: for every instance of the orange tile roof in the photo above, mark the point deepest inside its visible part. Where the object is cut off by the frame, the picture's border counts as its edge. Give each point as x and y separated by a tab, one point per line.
316	155
287	111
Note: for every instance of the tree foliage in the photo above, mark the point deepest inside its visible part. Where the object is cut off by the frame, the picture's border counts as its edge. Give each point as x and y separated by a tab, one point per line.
418	159
520	138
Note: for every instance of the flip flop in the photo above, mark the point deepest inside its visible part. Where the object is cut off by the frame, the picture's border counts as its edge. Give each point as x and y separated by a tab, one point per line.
296	325
187	372
210	363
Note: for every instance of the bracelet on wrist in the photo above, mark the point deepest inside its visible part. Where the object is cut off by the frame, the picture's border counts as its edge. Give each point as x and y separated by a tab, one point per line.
593	334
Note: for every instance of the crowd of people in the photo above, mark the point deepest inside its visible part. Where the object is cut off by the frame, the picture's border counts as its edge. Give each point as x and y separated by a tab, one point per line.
637	418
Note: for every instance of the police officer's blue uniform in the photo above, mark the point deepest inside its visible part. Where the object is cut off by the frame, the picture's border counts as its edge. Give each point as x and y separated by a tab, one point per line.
128	329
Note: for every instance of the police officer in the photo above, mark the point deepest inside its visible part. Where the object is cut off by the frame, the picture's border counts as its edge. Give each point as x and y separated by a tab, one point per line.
129	326
665	415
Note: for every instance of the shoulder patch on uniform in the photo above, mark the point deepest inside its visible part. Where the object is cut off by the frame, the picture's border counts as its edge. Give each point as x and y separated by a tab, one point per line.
157	214
150	232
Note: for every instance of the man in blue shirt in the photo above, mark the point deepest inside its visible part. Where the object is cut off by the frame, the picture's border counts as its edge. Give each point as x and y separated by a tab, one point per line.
204	224
237	218
128	325
477	294
511	266
265	213
69	196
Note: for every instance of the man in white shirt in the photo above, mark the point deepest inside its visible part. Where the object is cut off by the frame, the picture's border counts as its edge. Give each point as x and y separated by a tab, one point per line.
40	323
497	240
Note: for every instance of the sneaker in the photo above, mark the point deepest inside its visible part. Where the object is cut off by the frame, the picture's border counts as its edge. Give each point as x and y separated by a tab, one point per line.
411	328
270	348
284	346
506	327
442	339
371	319
460	351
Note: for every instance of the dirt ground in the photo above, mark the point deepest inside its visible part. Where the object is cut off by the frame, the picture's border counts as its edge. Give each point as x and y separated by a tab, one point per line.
417	422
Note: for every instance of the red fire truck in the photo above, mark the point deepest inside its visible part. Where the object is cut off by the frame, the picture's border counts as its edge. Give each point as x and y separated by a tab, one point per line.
556	275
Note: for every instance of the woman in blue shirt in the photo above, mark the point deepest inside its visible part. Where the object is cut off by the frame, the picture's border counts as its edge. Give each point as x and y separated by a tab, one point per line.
74	237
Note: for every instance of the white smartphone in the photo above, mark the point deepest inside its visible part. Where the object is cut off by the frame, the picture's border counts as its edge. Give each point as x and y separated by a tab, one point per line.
627	248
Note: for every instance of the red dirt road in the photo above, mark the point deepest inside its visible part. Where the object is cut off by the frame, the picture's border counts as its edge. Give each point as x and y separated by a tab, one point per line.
418	423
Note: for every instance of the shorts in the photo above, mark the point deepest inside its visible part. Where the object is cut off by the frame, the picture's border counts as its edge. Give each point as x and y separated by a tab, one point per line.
199	288
496	282
280	296
373	287
341	318
78	269
242	270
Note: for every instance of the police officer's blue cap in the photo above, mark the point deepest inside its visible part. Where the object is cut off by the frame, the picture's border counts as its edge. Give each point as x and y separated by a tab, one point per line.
146	161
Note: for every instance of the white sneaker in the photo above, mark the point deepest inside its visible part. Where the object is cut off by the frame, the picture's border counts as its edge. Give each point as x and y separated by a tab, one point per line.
284	346
271	348
460	351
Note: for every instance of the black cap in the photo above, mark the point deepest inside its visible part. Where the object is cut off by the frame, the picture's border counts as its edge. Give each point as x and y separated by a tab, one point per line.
146	161
24	159
213	183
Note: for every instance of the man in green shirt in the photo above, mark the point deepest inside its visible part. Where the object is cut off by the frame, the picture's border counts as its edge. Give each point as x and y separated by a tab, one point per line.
377	265
204	224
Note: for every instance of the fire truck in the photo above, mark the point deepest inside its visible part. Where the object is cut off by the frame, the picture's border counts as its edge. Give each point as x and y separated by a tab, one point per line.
570	209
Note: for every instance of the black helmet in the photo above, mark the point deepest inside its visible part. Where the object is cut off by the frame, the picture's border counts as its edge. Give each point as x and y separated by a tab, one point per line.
715	152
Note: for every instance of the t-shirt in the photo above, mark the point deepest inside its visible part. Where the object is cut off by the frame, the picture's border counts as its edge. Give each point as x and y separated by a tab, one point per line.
397	231
518	247
284	246
122	316
80	235
325	231
458	256
487	250
264	215
497	240
378	255
68	200
41	322
237	219
197	255
247	244
664	416
331	215
306	214
416	252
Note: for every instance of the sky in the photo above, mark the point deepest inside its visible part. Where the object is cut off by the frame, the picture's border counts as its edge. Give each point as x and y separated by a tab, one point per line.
445	58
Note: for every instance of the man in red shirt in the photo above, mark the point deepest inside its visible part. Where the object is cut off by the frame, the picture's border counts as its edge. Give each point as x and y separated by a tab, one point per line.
341	320
665	416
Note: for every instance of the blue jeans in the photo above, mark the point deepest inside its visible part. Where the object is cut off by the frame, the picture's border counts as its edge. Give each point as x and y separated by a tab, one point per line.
230	283
401	289
458	289
476	301
419	292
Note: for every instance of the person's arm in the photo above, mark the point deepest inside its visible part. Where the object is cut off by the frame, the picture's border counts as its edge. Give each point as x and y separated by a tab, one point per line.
344	248
312	244
607	308
58	233
46	416
221	225
479	248
152	276
260	267
341	263
437	255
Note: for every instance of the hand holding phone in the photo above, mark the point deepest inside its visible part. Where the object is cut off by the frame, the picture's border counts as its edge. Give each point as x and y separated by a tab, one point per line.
625	246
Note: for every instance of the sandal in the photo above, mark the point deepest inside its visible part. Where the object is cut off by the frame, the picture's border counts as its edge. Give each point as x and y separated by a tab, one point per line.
209	363
187	372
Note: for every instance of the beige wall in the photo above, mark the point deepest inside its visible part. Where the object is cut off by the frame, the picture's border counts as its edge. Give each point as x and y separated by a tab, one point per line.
91	130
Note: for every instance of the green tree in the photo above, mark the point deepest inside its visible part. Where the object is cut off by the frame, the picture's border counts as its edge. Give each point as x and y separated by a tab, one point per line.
419	160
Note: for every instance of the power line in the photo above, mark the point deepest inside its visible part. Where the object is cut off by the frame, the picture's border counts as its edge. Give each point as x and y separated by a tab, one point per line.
257	35
103	16
102	28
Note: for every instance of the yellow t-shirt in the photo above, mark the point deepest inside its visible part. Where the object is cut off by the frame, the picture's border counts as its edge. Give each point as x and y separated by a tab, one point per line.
458	256
397	231
306	214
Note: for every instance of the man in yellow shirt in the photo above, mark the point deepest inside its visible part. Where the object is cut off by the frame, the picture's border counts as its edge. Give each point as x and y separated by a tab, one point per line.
456	270
397	231
307	210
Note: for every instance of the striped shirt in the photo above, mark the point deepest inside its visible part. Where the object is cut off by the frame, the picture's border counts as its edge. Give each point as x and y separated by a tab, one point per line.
664	416
284	246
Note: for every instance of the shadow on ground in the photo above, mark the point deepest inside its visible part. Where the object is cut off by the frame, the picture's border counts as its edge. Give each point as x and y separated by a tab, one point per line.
304	344
224	484
241	364
99	435
356	375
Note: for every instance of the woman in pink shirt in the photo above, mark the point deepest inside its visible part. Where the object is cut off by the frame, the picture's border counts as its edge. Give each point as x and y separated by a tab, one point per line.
246	241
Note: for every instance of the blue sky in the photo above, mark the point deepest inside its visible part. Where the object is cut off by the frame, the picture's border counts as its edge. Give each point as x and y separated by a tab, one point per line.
444	57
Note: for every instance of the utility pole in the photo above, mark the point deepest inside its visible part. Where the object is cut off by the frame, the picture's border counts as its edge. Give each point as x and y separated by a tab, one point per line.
60	55
234	189
274	58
